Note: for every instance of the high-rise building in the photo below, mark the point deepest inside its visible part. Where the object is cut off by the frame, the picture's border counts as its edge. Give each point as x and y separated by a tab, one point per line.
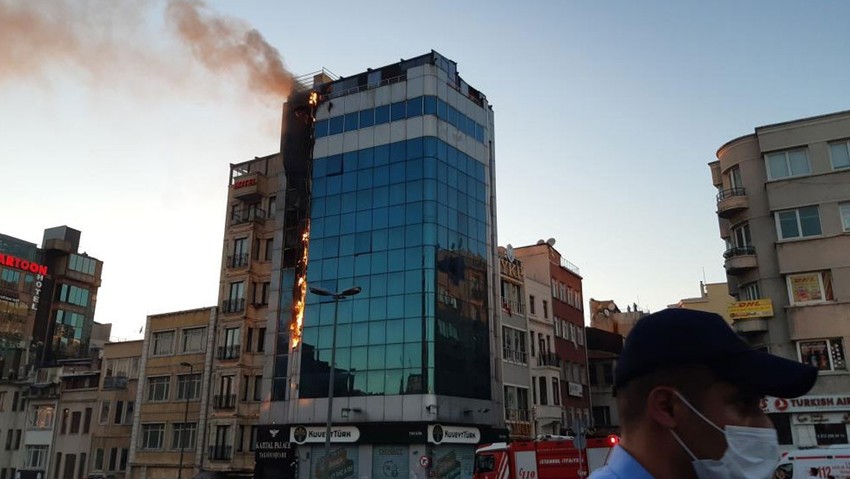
564	302
387	185
783	204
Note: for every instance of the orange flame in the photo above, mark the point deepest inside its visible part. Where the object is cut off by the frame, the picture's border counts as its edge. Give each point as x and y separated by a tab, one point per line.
300	291
314	98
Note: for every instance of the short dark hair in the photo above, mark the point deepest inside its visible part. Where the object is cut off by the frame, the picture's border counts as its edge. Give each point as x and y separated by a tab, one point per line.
691	380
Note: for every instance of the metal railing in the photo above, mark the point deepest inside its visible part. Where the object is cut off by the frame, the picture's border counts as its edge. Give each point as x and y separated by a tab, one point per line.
220	453
224	401
548	359
115	382
570	266
729	193
229	352
513	306
517	415
247	215
237	260
739	251
514	355
233	305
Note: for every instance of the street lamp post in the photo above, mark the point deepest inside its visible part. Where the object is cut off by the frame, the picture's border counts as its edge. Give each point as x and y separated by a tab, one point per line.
185	420
336	297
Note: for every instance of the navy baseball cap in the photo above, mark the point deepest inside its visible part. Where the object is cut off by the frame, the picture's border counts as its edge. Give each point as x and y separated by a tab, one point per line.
678	337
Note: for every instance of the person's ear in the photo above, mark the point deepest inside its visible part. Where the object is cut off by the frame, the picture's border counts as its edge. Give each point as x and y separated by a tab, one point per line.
663	407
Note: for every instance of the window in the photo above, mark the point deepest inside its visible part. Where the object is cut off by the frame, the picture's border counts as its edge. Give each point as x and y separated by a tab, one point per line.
741	235
104	412
128	413
73	295
152	435
70	466
258	383
264	293
261	340
545	309
82	264
158	388
183	435
122	466
514	345
113	458
163	343
824	354
9	439
82	472
188	386
608	374
810	288
253	442
601	416
87	421
15	397
64	422
98	460
735	178
845	216
76	418
839	153
749	292
119	412
533	390
232	337
556	392
544	396
194	340
531	304
827	434
36	457
269	249
784	164
798	223
272	206
41	417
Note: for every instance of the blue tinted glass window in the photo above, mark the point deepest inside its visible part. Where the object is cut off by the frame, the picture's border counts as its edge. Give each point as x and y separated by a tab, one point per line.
360	310
317	227
345	268
375	381
379	236
396	238
396	215
349	181
363	265
413	281
319	167
382	155
321	128
461	122
347	202
380	218
414	190
379	285
377	332
335	125
395	304
395	262
413	331
412	305
349	161
364	220
346	245
397	111
332	225
346	224
331	247
378	309
367	118
413	235
317	207
352	121
429	233
333	165
364	179
395	355
365	158
329	268
415	148
381	176
395	331
479	132
379	262
430	105
397	173
442	150
413	212
319	187
452	116
382	114
398	151
430	146
430	168
442	109
364	200
452	158
414	107
376	360
430	195
414	169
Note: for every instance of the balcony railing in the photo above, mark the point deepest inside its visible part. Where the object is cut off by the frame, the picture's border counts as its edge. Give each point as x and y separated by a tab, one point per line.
229	352
220	453
513	306
549	359
729	193
233	305
115	382
246	216
237	260
739	251
224	401
517	415
514	355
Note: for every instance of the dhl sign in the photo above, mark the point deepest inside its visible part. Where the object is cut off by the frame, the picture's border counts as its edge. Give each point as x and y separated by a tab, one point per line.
757	308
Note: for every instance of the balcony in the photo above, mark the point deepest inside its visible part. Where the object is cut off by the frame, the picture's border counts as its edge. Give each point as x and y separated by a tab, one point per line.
115	382
229	352
224	401
514	356
731	201
220	453
513	307
549	359
236	305
751	316
740	259
248	215
238	261
248	187
517	415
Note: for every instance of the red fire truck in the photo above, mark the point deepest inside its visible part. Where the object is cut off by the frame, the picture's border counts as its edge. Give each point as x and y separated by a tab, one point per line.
549	457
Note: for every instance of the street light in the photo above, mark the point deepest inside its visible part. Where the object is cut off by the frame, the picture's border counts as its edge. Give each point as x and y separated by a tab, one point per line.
185	419
336	297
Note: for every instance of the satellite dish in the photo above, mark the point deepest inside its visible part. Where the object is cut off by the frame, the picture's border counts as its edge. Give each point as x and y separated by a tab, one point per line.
540	241
611	307
509	252
550	241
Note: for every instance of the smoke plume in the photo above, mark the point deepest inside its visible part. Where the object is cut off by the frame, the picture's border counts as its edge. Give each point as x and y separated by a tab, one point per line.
105	39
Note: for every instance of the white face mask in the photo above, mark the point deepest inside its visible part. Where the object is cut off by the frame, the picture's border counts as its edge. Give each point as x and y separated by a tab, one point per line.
751	452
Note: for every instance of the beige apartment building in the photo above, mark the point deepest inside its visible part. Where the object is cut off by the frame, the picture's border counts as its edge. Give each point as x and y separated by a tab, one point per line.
713	298
78	397
113	414
783	204
172	399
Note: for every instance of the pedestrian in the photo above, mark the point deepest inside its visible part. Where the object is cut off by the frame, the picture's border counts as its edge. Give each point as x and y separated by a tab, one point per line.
688	393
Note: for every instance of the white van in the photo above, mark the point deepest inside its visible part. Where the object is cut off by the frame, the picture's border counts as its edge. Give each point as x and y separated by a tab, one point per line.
828	462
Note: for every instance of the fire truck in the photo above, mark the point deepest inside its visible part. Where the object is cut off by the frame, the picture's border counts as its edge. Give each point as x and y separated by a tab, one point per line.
548	457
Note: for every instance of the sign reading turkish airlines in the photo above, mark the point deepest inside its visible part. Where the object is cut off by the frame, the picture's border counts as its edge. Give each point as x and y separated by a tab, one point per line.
22	264
806	404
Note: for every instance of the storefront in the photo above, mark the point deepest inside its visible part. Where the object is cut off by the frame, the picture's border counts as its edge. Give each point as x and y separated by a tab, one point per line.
379	451
810	420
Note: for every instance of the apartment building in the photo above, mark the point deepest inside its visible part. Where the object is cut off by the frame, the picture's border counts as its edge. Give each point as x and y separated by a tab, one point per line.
783	205
713	298
78	398
603	349
172	410
516	377
547	415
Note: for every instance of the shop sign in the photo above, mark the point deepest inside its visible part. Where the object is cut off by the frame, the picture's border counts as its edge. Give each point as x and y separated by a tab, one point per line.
759	308
839	402
575	389
304	434
438	434
243	183
22	264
